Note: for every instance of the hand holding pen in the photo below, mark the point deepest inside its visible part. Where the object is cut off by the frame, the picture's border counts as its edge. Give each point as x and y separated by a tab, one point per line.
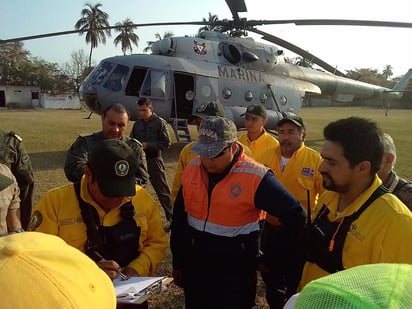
112	269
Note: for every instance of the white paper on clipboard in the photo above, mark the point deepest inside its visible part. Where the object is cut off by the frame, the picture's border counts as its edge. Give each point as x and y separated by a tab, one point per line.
135	288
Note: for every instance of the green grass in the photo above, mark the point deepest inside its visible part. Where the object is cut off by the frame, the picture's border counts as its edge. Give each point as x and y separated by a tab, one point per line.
47	134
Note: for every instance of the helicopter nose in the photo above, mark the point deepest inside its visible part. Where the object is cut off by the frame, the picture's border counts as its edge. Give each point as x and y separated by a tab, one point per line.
90	98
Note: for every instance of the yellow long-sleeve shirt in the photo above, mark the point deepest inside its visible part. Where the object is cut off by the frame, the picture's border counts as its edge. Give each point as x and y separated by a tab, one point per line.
58	213
258	146
299	175
381	234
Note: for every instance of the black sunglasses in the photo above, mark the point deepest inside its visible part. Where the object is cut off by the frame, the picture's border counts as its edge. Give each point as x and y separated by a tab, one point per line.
222	152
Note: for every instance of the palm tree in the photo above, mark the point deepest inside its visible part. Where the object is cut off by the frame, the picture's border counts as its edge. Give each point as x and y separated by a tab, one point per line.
92	21
126	35
167	34
387	71
211	26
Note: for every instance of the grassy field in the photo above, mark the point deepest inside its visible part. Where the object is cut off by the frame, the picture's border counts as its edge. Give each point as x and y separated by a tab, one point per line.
47	134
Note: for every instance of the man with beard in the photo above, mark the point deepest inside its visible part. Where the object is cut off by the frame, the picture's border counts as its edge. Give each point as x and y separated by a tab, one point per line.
356	221
296	167
114	123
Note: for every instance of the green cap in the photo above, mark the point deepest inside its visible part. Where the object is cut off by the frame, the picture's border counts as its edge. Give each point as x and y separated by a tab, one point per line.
255	111
366	286
289	117
114	165
5	182
207	109
215	134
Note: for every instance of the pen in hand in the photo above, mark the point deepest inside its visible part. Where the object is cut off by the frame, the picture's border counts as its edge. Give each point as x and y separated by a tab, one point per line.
121	275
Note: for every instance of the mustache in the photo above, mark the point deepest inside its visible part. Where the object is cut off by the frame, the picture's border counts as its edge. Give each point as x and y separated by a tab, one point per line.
285	143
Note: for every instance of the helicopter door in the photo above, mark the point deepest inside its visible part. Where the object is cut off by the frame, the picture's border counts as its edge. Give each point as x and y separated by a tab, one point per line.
158	86
184	94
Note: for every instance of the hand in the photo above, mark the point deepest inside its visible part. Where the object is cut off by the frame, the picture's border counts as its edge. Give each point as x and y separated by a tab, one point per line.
178	277
130	272
110	267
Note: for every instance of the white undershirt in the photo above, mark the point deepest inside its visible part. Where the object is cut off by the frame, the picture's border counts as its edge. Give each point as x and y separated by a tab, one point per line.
283	162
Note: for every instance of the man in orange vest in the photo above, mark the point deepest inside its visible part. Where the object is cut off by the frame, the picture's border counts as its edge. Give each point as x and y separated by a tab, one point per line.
215	229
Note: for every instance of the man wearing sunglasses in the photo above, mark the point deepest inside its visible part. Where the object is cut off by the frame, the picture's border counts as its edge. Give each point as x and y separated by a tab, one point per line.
215	228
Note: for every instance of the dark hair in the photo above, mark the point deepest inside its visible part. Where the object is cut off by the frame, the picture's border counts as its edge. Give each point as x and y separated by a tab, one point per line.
145	101
360	139
118	108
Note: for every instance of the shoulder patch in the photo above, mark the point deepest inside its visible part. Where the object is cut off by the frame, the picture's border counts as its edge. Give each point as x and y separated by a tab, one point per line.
16	136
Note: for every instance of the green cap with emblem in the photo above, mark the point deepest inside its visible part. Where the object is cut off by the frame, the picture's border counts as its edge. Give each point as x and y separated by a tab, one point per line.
207	109
255	111
114	165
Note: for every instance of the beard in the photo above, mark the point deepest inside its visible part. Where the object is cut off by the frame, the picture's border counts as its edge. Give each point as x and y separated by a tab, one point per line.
330	184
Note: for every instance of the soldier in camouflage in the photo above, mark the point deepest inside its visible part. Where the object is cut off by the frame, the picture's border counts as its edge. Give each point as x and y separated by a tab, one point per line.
114	123
14	155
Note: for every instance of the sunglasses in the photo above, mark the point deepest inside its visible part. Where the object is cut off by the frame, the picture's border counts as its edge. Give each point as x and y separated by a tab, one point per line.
222	152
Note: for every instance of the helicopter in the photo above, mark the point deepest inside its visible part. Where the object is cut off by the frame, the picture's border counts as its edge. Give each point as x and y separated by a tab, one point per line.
229	67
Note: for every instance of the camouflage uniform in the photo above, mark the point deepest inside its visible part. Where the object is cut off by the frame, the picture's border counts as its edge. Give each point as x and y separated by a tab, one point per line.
154	133
77	157
13	154
401	187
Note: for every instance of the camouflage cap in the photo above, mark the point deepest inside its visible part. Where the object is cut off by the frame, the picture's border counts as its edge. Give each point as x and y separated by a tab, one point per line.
5	182
289	117
215	134
114	164
255	111
207	109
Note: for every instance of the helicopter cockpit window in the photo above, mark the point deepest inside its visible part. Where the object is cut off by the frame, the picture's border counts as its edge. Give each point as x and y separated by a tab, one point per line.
100	73
117	79
154	84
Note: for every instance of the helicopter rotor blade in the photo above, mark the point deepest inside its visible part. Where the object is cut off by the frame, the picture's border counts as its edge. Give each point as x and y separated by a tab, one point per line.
236	6
276	40
45	35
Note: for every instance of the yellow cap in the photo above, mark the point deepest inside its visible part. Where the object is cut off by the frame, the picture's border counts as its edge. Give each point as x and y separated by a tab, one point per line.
42	271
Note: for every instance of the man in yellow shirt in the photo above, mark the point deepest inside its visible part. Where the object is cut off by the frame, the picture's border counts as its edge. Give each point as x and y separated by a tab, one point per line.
354	224
296	167
113	220
256	137
202	111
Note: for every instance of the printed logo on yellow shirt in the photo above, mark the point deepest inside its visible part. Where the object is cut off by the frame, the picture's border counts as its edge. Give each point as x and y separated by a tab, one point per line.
307	171
35	221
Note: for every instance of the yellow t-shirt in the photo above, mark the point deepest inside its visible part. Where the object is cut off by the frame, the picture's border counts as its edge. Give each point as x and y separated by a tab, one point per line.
258	146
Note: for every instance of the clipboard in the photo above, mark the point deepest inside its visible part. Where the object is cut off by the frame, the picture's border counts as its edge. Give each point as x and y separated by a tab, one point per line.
137	290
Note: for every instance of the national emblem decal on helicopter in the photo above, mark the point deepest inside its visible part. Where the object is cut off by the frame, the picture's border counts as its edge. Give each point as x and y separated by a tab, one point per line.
199	48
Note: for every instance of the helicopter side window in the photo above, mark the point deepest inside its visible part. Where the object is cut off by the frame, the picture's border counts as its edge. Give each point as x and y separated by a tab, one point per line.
100	73
154	85
117	79
135	81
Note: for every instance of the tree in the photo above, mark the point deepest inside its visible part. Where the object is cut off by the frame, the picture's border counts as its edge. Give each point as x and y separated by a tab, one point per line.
211	26
13	62
76	68
387	71
92	21
167	34
126	35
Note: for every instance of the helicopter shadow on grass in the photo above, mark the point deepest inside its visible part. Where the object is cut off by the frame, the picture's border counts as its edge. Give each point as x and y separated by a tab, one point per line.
43	161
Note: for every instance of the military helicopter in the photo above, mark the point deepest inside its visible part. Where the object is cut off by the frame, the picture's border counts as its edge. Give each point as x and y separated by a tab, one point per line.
229	67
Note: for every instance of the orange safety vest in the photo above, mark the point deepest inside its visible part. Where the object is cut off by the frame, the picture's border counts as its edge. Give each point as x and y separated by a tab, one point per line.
231	210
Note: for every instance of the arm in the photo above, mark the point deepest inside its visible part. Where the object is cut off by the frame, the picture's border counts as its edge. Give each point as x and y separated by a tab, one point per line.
184	158
142	176
13	216
76	159
153	240
161	138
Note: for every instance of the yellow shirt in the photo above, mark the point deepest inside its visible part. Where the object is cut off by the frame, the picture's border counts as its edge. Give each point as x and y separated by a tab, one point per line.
264	142
381	234
299	175
58	213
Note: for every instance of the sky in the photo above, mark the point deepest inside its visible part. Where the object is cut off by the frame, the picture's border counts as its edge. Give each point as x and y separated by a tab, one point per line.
345	47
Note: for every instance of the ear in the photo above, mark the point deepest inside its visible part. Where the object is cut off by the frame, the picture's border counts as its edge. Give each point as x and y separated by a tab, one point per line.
364	167
87	173
388	158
